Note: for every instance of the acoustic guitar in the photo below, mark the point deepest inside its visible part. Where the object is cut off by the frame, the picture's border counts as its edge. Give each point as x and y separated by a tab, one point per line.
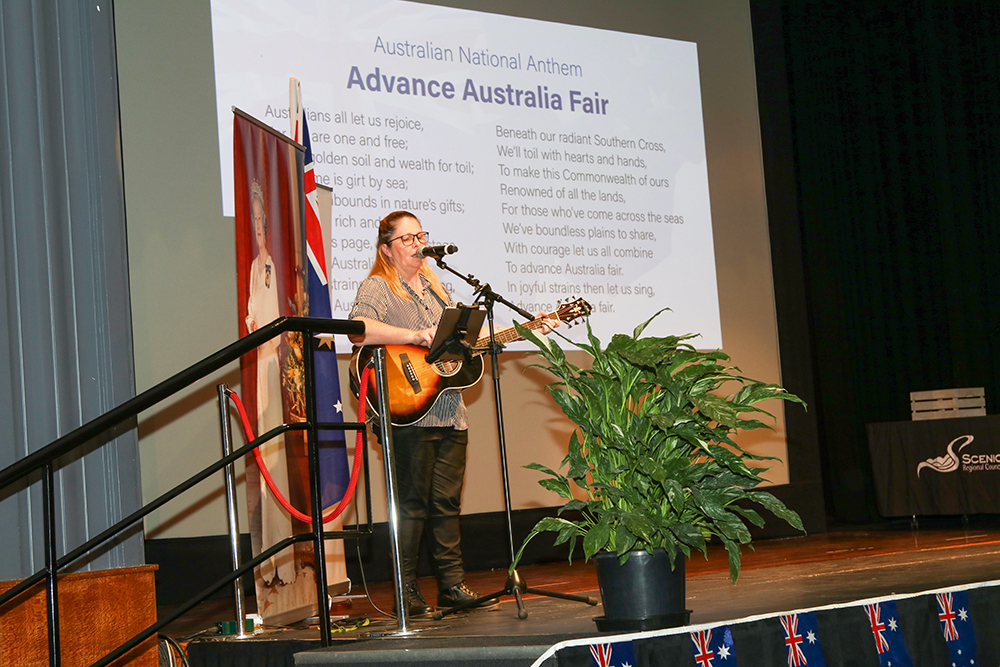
415	385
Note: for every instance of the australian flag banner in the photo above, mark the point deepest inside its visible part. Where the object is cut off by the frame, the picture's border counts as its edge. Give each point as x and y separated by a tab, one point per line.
617	654
714	647
884	620
334	471
956	625
802	640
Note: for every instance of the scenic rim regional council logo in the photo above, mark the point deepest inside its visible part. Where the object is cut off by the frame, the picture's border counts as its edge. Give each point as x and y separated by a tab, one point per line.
948	462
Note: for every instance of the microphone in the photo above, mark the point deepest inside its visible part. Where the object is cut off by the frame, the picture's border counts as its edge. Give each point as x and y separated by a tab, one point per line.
438	250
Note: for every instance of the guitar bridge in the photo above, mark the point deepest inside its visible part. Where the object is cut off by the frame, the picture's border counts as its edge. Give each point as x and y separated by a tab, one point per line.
409	373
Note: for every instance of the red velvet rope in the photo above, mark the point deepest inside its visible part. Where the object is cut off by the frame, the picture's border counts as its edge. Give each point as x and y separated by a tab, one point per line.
355	470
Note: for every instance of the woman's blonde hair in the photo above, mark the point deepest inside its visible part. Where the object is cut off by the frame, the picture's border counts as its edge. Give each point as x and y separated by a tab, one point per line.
384	268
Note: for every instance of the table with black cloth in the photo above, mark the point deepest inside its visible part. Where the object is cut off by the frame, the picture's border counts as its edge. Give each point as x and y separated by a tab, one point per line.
937	466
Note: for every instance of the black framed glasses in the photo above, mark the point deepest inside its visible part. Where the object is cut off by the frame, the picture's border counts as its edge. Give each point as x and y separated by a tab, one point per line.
409	239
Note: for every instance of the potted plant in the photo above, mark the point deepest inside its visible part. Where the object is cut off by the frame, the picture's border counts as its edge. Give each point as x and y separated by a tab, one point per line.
659	470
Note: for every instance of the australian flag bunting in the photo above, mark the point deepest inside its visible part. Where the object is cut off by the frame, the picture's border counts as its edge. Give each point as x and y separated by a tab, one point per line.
333	468
617	654
802	640
956	626
714	647
884	621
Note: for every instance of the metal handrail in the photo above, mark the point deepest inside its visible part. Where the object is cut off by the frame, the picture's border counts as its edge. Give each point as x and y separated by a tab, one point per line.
132	407
45	458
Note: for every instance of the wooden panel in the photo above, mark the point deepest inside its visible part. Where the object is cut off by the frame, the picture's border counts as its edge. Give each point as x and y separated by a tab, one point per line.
948	403
98	612
949	413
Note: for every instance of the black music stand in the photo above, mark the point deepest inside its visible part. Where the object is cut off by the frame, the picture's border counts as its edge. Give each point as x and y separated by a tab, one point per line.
456	334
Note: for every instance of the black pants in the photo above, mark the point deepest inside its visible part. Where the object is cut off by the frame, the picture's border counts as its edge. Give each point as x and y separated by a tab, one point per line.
430	469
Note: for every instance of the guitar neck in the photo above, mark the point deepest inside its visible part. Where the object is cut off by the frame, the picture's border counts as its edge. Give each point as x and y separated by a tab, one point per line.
509	334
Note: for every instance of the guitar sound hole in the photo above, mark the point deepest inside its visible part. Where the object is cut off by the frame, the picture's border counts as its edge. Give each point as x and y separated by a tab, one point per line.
447	368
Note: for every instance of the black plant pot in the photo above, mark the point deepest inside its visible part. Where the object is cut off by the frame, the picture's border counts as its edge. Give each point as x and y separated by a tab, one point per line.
642	594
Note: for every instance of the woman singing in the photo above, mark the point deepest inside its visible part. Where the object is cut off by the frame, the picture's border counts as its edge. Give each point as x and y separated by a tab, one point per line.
401	302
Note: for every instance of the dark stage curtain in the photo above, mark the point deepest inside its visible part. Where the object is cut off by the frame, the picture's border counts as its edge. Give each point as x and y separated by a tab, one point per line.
896	123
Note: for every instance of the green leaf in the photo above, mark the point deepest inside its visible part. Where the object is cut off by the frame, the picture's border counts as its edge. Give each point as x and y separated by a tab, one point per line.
708	505
734	559
546	346
595	345
639	525
716	408
553	523
732	528
680	546
670	545
689	535
573	505
731	461
567	532
650	352
690	355
726	480
777	508
664	422
578	466
760	391
572	548
675	494
691	432
652	469
693	473
572	405
624	539
596	538
749	514
542	468
642	327
548	523
559	486
751	425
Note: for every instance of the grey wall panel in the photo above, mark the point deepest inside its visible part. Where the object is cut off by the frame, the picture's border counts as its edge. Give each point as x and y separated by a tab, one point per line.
65	337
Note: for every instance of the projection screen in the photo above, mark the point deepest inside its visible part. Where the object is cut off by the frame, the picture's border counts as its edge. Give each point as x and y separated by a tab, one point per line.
562	161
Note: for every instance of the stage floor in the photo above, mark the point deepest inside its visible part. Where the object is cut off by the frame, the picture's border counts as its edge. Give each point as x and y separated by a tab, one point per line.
780	575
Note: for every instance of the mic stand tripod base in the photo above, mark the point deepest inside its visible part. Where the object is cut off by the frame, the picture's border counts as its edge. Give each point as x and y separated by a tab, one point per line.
515	586
408	631
391	634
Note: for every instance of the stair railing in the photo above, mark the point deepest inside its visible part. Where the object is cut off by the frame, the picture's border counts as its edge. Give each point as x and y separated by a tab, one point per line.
44	460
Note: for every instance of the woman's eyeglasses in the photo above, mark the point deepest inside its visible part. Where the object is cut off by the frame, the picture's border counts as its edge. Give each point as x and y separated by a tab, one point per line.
409	239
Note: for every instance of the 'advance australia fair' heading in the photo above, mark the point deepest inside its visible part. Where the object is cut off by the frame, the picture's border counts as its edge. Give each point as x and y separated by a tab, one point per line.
539	97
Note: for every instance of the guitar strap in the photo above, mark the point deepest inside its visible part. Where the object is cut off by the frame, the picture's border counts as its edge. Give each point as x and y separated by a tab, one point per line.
437	298
420	301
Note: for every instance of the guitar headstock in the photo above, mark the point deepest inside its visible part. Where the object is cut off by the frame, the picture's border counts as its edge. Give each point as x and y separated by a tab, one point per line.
573	310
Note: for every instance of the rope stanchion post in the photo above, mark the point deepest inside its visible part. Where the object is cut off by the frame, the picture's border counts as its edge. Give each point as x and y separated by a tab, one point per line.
317	520
229	474
392	501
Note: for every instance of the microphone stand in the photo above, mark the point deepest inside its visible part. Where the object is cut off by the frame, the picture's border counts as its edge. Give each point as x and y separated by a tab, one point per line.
515	585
